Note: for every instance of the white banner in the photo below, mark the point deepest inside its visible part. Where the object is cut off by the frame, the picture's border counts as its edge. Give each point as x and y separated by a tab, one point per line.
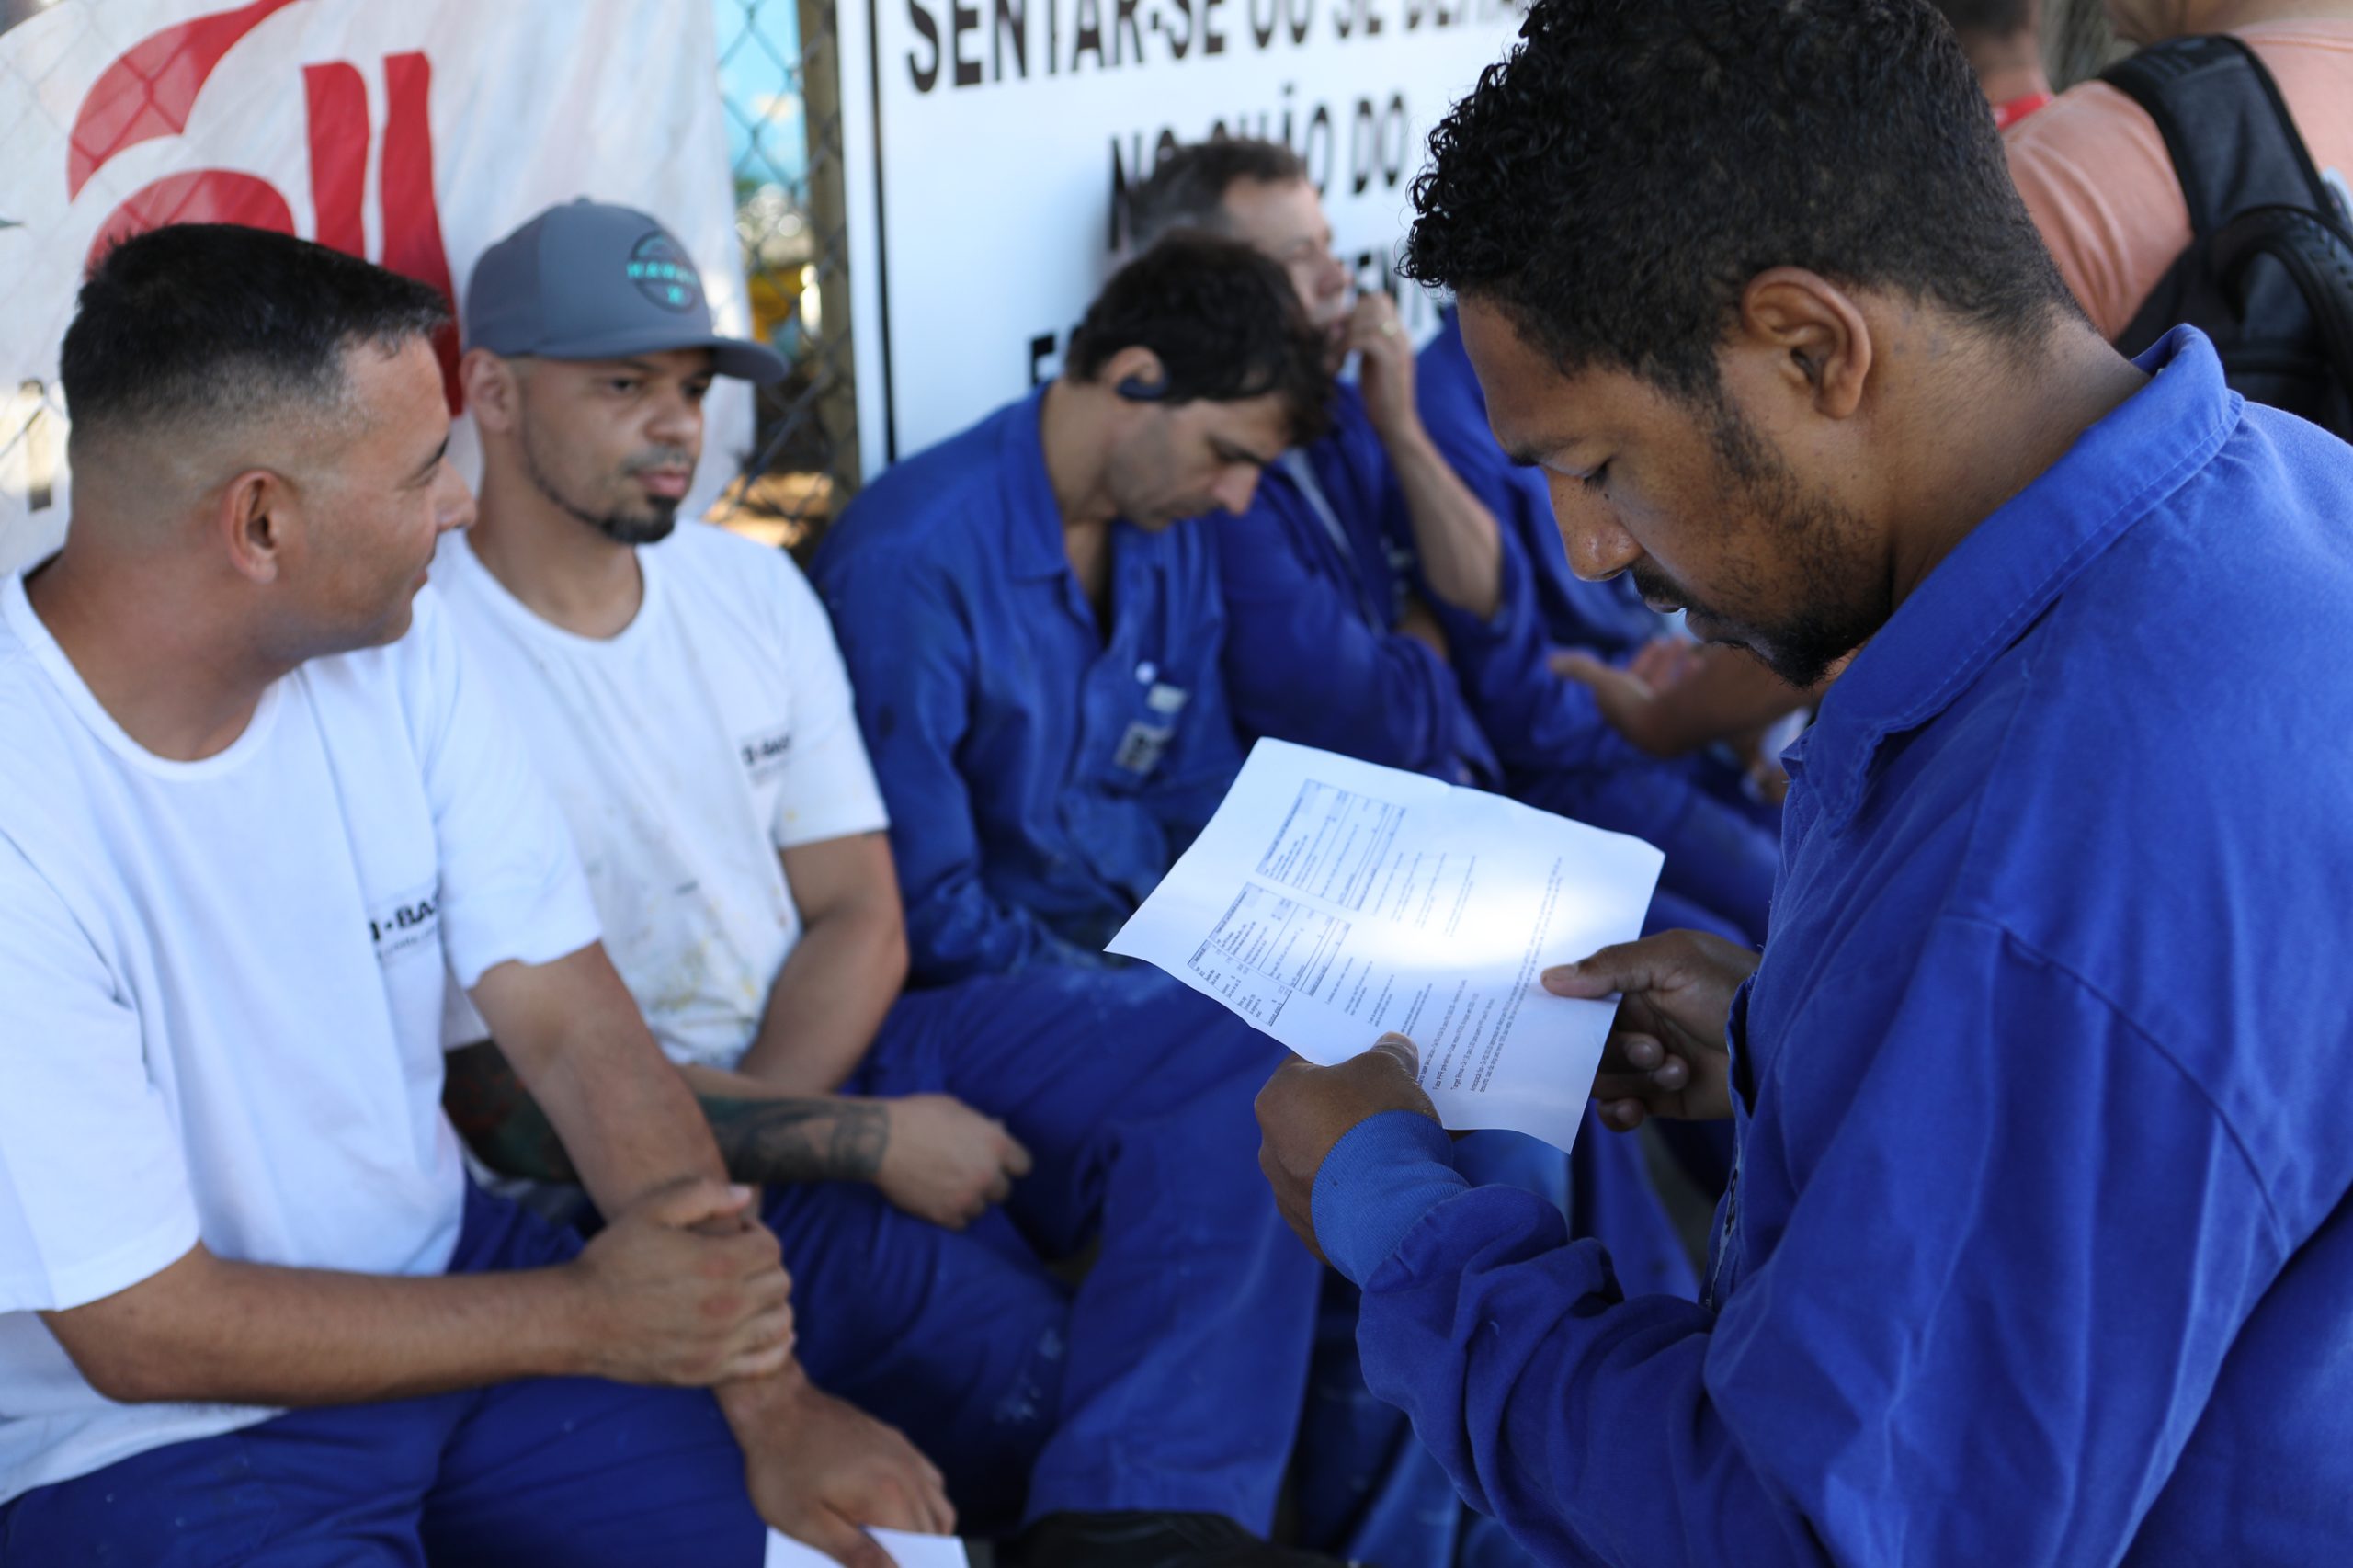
988	145
414	134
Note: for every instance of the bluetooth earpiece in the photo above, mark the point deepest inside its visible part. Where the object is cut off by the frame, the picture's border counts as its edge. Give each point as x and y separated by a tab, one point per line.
1135	389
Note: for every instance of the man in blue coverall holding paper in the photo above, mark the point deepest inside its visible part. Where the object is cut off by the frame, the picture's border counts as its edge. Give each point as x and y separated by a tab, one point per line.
2039	1250
1362	558
1376	608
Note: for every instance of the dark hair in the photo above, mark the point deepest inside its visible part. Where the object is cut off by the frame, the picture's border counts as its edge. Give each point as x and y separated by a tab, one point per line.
1988	18
1224	320
214	319
1614	184
1188	190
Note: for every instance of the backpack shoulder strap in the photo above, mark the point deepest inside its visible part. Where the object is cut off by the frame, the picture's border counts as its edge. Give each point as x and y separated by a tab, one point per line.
2226	126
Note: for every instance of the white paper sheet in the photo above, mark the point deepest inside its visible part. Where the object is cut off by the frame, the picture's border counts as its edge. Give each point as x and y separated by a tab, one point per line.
1330	901
906	1551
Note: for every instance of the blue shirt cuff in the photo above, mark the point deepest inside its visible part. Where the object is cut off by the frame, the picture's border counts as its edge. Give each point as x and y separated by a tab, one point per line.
1385	1173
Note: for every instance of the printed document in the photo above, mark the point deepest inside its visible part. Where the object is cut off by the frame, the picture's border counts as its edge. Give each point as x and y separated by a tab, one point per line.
1331	901
906	1551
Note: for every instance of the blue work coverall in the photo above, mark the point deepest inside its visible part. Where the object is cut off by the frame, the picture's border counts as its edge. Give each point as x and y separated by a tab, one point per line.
1608	620
1041	774
1312	652
2039	1249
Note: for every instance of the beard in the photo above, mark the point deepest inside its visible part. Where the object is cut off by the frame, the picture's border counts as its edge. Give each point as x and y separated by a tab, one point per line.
650	527
648	523
1836	607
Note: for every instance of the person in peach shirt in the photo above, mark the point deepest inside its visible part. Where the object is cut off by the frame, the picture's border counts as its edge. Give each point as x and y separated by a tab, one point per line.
2094	170
2003	41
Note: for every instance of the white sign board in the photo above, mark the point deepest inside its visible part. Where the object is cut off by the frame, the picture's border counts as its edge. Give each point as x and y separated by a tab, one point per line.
989	144
414	134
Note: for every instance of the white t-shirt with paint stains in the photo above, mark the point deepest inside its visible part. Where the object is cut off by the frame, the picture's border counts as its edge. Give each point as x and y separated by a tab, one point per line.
713	730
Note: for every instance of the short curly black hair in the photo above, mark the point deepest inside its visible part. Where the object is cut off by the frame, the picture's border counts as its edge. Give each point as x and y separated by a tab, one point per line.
1614	184
1225	322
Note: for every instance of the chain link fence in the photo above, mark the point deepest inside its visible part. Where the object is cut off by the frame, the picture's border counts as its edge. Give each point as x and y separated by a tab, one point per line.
780	77
779	82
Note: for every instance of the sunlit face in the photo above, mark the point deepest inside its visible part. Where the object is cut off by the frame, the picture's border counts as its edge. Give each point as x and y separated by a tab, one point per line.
1704	509
373	515
1184	459
615	442
1285	221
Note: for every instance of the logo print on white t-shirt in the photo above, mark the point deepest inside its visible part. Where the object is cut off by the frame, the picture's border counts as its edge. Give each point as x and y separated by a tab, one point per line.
406	923
766	752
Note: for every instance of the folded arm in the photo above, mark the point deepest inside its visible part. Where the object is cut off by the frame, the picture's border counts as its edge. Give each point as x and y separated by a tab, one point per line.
763	1136
931	1155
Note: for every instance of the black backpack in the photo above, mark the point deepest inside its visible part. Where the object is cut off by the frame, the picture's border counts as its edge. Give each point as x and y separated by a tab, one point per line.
2268	274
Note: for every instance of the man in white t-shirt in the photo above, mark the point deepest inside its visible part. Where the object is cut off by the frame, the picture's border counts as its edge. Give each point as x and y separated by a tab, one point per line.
253	812
683	694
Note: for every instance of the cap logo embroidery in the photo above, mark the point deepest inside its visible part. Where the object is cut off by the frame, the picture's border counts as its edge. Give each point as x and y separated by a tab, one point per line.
665	275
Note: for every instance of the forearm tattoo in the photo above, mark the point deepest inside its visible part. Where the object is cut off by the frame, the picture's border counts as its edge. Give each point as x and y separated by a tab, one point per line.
499	1119
782	1140
799	1139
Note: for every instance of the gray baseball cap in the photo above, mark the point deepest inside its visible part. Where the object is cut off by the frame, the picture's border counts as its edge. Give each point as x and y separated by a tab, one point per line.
590	281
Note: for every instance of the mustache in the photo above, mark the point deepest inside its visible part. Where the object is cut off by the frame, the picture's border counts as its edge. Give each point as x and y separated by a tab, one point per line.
1655	584
659	457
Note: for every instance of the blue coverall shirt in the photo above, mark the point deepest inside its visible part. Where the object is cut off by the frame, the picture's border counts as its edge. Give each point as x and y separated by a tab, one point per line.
1314	654
1041	776
2040	1249
1608	618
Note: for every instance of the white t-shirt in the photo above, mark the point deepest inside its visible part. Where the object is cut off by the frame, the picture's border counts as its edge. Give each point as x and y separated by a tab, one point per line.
711	732
221	988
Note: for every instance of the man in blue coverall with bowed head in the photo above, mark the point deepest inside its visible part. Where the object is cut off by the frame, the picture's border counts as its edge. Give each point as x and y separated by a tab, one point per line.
1032	644
1034	640
2039	1248
1375	607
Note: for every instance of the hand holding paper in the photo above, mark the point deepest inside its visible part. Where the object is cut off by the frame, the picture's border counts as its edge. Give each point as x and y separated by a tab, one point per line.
1305	1109
1331	901
1665	1055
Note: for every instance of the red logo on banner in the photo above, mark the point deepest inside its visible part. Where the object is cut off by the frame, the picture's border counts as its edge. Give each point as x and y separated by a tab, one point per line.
149	91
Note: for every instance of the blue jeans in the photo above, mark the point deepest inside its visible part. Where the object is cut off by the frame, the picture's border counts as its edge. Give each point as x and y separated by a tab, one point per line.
558	1469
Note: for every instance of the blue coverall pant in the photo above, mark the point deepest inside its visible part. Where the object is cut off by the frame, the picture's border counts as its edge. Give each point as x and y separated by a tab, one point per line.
1172	1375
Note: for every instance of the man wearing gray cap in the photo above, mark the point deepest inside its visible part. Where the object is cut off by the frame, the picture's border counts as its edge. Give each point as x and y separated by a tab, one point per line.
927	1152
